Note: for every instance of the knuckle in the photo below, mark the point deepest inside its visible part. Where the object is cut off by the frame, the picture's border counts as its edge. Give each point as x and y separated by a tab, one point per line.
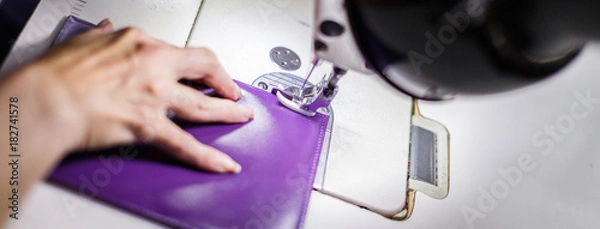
143	131
132	32
212	68
148	133
210	60
149	50
179	97
147	125
127	35
207	53
145	117
155	89
156	54
203	105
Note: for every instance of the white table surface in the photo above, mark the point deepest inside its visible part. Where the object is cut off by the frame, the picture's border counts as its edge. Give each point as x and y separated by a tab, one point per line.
489	134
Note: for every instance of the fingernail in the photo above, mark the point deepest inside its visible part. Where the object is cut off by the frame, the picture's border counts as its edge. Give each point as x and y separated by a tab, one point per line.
238	92
237	169
247	111
232	166
103	23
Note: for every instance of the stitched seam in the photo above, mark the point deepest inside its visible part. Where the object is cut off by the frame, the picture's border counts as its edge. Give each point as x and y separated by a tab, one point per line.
314	165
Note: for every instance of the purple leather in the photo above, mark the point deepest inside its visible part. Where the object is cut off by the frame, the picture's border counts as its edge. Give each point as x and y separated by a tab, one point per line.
278	151
73	26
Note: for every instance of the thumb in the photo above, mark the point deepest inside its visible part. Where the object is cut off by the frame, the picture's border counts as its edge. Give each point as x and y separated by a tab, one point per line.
105	26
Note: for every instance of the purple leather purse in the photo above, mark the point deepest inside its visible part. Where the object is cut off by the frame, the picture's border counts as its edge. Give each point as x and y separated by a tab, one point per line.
278	151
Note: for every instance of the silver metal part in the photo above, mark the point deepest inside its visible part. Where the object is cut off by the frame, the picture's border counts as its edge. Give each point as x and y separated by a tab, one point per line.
423	163
290	85
273	80
309	100
429	170
285	58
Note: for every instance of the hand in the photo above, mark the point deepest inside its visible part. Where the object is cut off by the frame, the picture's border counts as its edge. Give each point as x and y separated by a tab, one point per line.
116	87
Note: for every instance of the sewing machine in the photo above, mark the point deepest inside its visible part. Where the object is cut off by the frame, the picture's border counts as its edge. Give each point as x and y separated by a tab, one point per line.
365	173
468	47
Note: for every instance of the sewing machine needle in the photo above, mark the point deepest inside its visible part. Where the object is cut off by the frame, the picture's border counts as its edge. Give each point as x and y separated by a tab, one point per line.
314	64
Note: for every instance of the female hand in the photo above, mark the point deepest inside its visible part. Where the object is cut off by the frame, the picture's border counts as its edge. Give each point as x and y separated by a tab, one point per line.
116	87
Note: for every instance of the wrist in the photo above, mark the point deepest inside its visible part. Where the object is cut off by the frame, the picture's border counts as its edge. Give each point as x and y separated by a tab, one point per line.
49	121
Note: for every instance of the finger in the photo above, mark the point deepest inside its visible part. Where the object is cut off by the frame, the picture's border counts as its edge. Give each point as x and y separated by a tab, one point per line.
193	105
90	38
186	148
104	27
201	64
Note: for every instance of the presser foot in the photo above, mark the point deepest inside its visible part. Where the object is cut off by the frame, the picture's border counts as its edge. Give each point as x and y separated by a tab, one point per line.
296	99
